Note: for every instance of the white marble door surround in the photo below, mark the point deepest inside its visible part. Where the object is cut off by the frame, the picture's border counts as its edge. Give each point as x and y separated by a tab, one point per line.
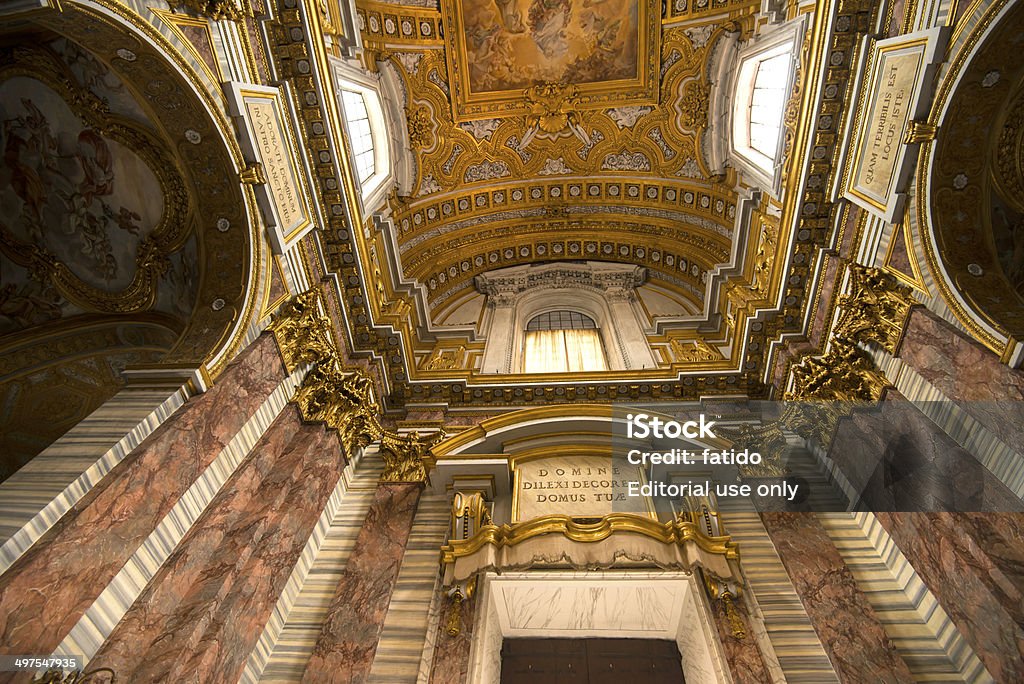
576	604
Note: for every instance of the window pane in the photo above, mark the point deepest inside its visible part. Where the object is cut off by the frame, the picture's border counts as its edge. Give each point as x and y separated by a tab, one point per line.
360	133
561	320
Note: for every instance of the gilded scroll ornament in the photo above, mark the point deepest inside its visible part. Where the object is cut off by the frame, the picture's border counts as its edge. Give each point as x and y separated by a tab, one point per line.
769	440
405	455
726	593
212	9
876	309
302	331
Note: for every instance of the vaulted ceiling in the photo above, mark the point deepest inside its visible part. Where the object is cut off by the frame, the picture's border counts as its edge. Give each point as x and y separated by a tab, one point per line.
571	130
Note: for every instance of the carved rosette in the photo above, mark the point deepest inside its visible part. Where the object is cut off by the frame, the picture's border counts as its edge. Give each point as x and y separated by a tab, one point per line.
876	309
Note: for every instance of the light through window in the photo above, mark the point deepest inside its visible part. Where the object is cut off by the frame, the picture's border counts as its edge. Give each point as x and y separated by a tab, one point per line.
360	133
767	102
563	342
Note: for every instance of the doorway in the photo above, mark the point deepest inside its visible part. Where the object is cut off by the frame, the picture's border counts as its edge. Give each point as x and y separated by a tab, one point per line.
590	661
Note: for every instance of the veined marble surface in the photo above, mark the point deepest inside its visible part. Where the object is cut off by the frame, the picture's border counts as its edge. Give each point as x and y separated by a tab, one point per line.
579	604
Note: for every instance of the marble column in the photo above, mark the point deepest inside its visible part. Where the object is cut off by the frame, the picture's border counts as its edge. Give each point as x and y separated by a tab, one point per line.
203	613
900	460
741	654
955	560
46	591
451	652
347	643
849	630
967	373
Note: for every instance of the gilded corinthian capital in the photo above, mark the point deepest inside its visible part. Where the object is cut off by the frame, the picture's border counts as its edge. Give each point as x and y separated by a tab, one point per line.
302	331
875	310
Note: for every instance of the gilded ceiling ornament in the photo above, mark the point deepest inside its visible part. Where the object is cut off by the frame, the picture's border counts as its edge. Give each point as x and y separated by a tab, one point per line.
768	439
694	105
553	108
212	9
420	127
876	308
699	351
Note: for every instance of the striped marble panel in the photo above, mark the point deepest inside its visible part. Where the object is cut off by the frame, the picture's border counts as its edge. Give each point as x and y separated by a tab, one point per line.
36	496
296	639
271	633
796	644
401	645
919	628
100	619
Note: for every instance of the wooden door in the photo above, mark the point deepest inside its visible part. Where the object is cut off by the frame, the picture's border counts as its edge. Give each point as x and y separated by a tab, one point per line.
590	661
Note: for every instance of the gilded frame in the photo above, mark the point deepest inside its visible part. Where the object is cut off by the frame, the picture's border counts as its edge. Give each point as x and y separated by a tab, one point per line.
468	106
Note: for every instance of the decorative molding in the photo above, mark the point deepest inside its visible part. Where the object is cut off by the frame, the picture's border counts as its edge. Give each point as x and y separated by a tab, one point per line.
876	308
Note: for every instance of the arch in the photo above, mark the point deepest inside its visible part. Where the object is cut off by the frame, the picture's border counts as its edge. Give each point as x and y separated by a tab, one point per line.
962	198
147	171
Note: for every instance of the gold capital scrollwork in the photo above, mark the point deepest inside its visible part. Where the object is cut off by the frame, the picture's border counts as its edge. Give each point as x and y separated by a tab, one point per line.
845	373
211	9
406	455
302	331
876	309
769	440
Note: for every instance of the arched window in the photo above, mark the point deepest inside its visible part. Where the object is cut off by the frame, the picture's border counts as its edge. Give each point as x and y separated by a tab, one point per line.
767	101
563	342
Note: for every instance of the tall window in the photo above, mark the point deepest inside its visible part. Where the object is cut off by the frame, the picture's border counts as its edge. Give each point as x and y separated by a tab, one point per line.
563	342
760	89
767	102
360	133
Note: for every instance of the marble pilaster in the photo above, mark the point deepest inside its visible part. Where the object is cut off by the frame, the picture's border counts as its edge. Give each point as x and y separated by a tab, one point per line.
967	374
741	654
901	460
47	590
451	652
347	642
949	559
203	612
853	637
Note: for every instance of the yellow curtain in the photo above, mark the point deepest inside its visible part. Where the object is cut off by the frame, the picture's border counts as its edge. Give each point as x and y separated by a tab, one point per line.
563	351
583	350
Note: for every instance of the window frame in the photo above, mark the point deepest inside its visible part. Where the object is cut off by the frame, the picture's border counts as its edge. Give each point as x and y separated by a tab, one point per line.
348	79
763	170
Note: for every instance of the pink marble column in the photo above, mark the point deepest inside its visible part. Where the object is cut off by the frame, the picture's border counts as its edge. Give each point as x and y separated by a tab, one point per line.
200	617
347	643
900	460
742	655
959	570
846	624
967	373
46	592
451	653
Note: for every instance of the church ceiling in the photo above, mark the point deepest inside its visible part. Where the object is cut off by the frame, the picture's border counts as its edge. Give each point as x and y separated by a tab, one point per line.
555	130
757	300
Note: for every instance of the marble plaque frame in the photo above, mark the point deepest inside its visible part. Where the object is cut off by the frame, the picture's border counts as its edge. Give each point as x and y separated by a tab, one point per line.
268	138
898	77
